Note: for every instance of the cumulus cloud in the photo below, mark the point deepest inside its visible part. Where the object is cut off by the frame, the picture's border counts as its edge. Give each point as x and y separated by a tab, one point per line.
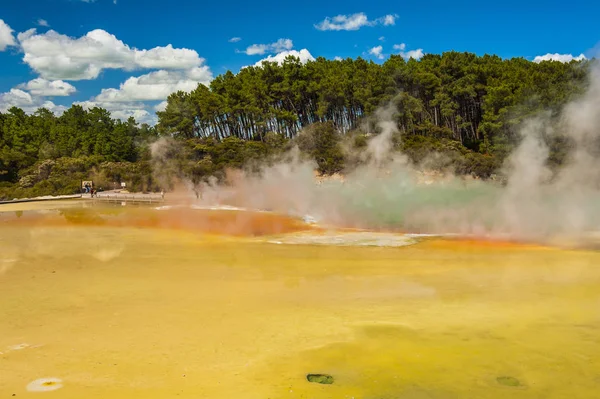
110	106
129	99
337	58
161	106
235	39
43	22
6	36
122	110
15	97
381	38
27	102
416	54
167	57
377	52
304	55
354	22
344	22
57	56
200	74
46	88
156	85
559	57
256	49
277	47
140	115
389	20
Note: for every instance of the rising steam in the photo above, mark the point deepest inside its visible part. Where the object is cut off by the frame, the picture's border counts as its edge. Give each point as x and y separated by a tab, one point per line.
387	191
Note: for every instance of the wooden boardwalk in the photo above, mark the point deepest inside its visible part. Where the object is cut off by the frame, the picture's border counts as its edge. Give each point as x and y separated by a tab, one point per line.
139	198
132	198
38	199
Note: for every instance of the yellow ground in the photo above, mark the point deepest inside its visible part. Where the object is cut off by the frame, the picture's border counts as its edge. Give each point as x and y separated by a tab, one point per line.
132	312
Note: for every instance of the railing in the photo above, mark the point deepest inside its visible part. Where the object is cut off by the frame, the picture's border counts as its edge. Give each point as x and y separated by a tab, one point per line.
149	198
49	198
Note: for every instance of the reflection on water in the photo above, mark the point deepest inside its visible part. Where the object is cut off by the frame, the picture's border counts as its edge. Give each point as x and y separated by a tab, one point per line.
141	303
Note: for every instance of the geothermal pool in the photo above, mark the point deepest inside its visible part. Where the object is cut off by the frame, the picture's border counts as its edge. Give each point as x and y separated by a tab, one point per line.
143	303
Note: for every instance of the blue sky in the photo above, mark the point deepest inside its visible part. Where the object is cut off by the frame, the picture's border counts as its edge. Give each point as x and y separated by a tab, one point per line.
63	68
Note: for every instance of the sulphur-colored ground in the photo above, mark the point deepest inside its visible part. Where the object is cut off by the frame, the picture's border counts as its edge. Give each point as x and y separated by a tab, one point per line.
146	311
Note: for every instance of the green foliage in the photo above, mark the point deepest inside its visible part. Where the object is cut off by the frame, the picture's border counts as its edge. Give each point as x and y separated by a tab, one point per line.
321	141
456	95
43	154
210	157
464	107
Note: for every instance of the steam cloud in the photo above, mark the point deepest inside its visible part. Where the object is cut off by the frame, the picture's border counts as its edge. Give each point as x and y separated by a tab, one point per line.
389	192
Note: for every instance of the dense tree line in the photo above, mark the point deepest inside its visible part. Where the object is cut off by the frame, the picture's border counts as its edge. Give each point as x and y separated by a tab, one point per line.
464	106
474	100
43	154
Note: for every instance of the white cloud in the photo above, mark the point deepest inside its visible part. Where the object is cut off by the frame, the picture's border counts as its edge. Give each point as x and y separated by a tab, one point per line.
381	38
416	54
354	22
156	85
279	46
111	106
140	116
256	49
200	74
122	111
43	22
6	36
167	57
15	97
161	106
337	58
27	102
389	20
56	56
235	39
128	99
344	22
42	87
304	55
377	52
559	57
